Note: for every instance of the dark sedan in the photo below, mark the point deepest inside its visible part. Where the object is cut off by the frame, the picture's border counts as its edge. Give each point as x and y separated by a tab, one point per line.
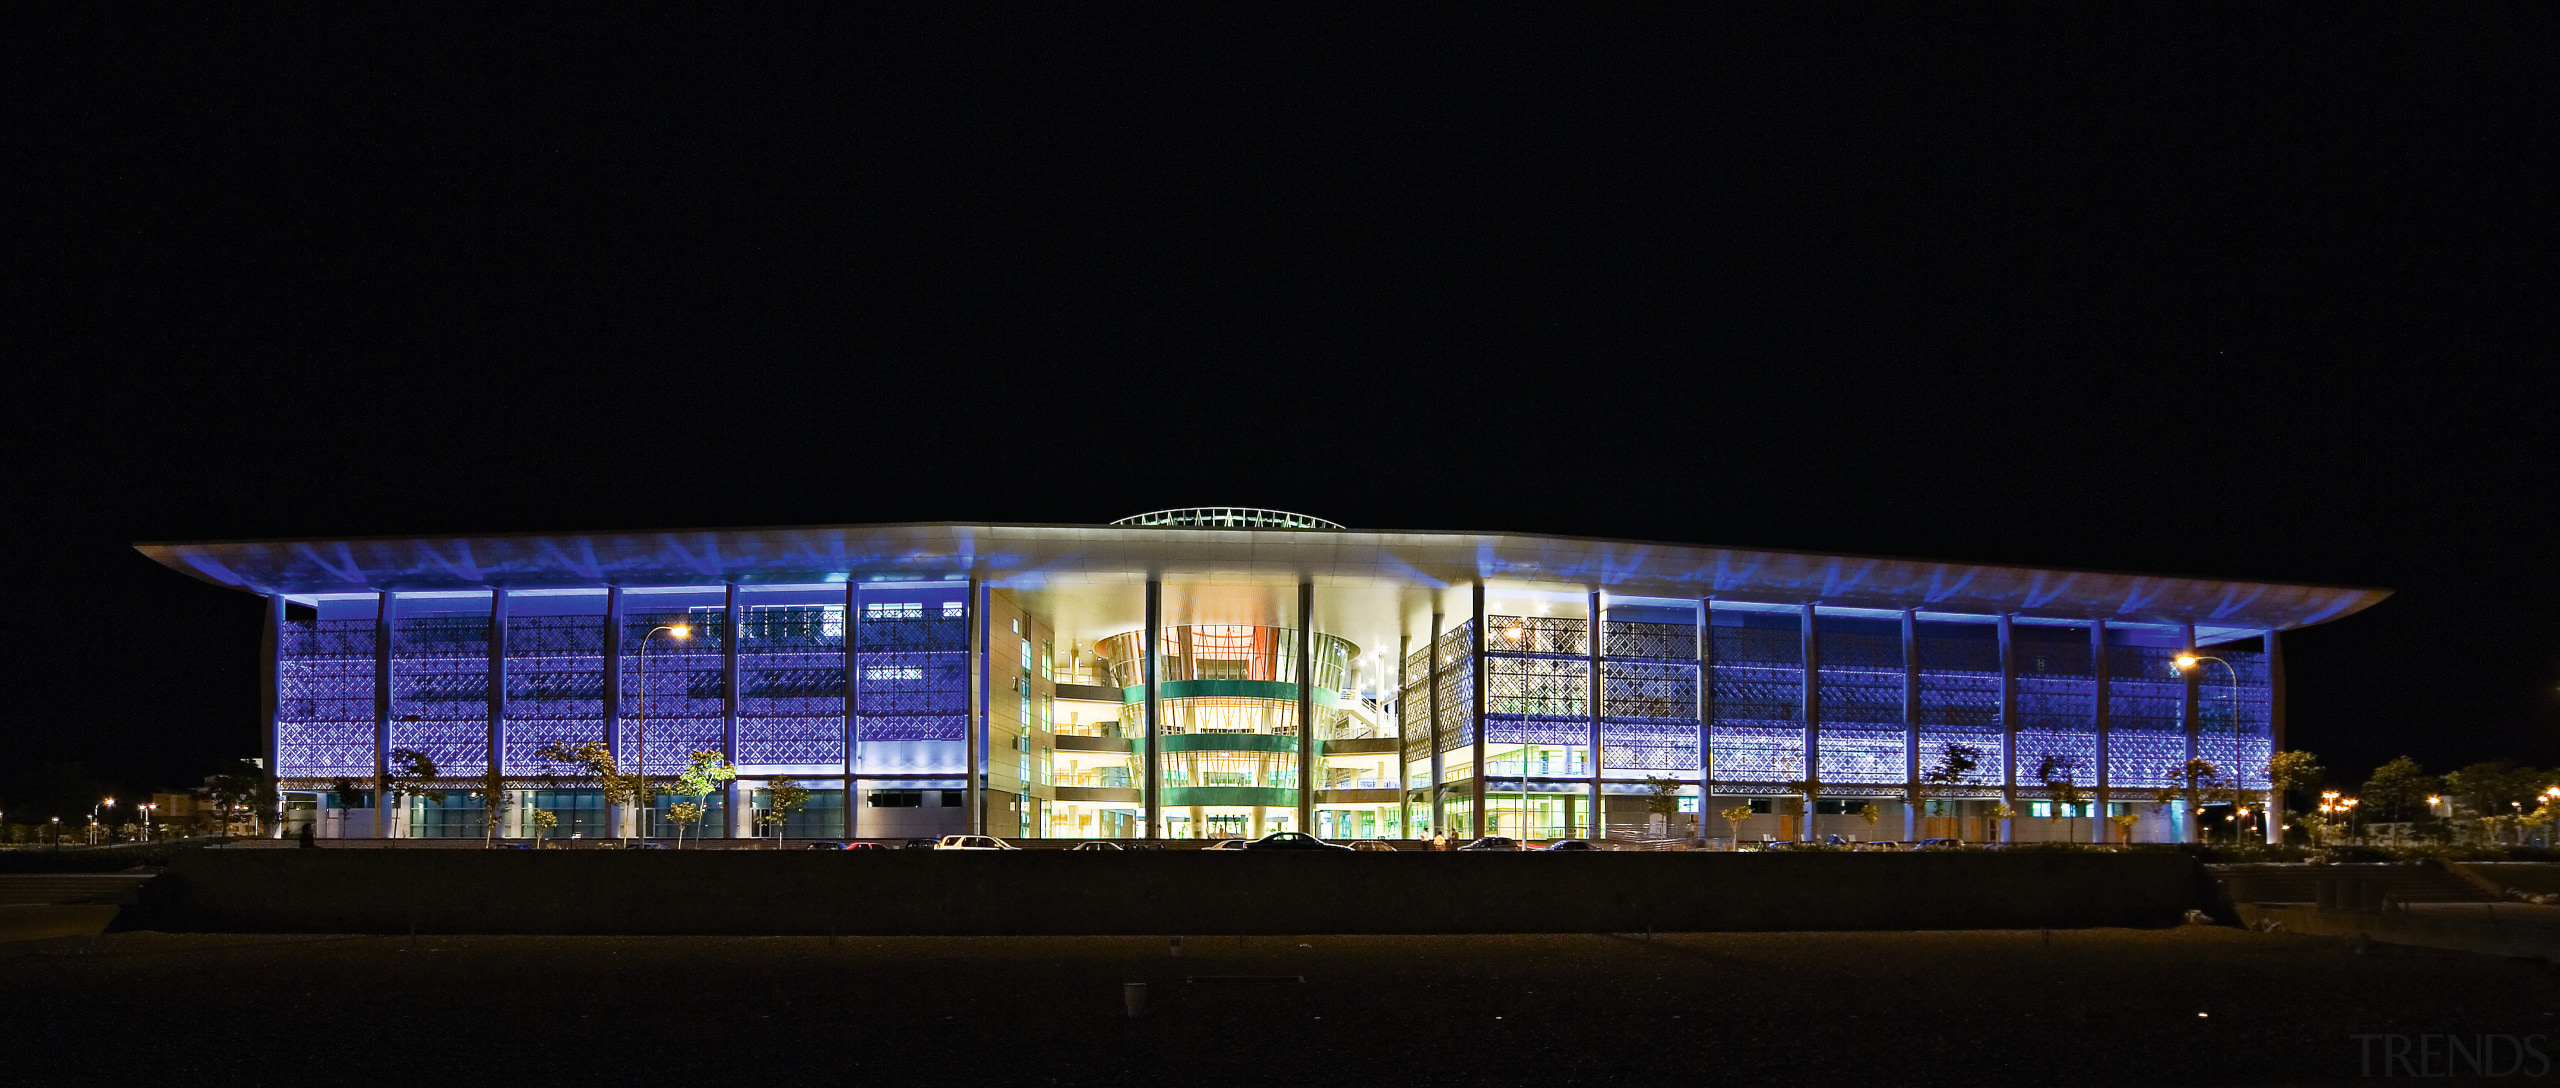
1292	840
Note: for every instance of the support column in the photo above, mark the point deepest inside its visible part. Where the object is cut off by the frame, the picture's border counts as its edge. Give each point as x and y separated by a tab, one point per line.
2188	817
1706	654
2275	732
1475	647
619	816
1404	742
1812	645
733	631
271	692
1151	745
2101	719
1597	704
1911	797
1439	762
973	791
852	706
497	683
1307	707
384	604
2008	727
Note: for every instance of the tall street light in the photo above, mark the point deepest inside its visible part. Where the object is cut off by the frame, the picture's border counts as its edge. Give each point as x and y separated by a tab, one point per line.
640	711
2190	660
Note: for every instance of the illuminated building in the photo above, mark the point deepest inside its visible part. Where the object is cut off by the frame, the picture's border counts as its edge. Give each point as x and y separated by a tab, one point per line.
1306	676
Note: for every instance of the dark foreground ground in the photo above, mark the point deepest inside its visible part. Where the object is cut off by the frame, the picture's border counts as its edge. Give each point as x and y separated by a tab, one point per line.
2087	1007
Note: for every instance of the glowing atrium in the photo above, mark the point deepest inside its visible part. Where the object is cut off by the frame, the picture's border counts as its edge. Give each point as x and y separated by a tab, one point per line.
1227	671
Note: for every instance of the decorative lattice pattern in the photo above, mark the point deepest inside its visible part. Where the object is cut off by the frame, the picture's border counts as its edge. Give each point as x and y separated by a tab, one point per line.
678	688
1649	708
1649	641
324	713
1960	700
555	687
2146	745
1861	717
1456	728
2057	699
1413	707
791	689
1759	704
440	691
915	681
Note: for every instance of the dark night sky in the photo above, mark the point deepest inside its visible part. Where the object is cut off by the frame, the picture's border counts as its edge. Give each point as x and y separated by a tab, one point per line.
2267	299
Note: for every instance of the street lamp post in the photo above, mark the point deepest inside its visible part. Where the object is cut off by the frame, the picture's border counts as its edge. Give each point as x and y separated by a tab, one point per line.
640	713
2190	660
93	818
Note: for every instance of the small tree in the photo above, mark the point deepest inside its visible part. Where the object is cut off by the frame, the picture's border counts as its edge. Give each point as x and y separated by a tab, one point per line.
1953	764
2289	773
2002	811
2124	826
682	814
1661	798
2399	789
2060	776
405	772
594	760
494	799
783	797
1868	811
1808	793
1733	818
542	822
703	774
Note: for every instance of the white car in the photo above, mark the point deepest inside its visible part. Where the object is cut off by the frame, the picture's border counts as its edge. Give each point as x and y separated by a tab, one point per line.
973	842
1226	844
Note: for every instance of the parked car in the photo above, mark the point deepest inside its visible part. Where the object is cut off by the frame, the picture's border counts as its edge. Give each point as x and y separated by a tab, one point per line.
868	846
1492	842
1571	844
1936	844
1292	840
1225	844
1374	844
822	844
1095	846
920	844
972	842
1880	844
644	844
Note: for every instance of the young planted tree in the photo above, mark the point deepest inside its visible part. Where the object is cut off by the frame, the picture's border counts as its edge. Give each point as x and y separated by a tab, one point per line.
2124	826
593	760
1661	798
704	773
2060	776
2289	773
494	799
1946	772
1808	794
405	773
784	796
1733	818
1871	814
683	814
542	822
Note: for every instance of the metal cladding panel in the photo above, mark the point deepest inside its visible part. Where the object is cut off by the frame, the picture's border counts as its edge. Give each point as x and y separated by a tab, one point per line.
2057	701
1057	554
440	692
1861	734
324	715
1456	728
684	697
1413	706
555	688
2146	746
791	687
1759	704
1960	699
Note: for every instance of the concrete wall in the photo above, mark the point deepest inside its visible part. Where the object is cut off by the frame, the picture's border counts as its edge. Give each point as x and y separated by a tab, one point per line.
1171	892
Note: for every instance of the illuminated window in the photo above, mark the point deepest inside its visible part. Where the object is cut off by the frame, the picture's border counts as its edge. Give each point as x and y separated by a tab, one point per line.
951	610
894	672
893	610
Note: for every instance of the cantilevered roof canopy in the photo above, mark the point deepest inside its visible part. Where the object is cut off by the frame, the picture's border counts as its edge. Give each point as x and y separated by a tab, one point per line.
1058	556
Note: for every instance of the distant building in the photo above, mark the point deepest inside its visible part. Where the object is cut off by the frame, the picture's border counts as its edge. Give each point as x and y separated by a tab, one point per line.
934	678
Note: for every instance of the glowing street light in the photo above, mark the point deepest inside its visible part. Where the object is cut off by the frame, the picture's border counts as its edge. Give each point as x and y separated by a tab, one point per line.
640	704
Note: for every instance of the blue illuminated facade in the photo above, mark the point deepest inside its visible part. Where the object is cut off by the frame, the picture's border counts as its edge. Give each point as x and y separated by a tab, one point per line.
935	678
